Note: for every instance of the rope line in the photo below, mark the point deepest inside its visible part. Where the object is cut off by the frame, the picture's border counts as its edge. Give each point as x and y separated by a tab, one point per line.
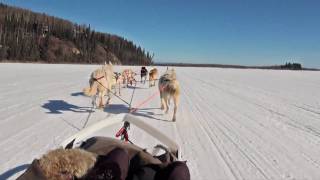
131	110
91	110
135	85
147	100
114	94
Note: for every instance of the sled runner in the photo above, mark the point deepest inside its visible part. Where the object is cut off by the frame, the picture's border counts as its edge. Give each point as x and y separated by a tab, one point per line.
110	158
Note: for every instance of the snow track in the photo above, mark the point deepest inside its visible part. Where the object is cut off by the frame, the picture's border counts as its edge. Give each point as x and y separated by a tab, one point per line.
231	124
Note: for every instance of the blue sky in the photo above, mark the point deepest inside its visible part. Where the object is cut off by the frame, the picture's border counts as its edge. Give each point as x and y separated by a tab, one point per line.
251	32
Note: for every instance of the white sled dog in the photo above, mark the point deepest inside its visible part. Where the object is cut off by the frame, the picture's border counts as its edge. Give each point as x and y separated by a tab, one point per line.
169	88
101	81
117	80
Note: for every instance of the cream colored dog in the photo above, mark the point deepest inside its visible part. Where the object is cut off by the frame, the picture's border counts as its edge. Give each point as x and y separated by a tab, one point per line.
153	74
66	163
117	80
101	82
128	77
169	88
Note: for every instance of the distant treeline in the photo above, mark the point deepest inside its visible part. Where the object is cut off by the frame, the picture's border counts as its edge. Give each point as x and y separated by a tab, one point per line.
287	66
35	37
292	66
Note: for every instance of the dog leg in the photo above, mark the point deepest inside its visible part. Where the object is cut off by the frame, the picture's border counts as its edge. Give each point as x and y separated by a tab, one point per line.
97	100
163	104
94	101
166	99
176	101
108	100
162	101
109	97
101	100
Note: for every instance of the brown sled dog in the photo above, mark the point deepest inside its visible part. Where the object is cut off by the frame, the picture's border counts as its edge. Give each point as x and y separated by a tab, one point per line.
153	74
101	81
169	88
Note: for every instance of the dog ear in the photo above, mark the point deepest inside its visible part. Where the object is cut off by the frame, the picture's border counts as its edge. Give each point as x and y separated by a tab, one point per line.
110	63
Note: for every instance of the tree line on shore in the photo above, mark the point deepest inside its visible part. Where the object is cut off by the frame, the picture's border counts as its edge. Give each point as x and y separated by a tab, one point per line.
27	36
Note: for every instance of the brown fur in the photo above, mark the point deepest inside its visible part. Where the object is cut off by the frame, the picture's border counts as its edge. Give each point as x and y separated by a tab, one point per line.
66	163
102	86
128	77
153	74
169	88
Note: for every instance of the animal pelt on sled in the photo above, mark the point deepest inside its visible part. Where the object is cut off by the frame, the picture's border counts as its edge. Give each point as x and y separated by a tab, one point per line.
101	82
169	89
66	163
69	163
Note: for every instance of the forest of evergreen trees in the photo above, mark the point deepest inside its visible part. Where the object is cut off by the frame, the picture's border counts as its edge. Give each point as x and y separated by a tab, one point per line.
33	37
292	66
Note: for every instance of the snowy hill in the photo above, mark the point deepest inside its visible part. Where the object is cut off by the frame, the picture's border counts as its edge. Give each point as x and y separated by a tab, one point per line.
231	123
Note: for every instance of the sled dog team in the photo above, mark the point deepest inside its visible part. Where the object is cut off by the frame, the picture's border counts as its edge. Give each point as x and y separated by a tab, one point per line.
106	158
103	79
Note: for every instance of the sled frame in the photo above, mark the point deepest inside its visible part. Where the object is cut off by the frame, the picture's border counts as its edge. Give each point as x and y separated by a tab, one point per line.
118	119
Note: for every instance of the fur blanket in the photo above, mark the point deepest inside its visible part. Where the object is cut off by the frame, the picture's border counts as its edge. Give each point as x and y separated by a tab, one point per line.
66	163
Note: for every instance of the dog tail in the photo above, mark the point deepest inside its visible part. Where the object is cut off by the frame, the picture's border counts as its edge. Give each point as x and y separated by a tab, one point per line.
92	90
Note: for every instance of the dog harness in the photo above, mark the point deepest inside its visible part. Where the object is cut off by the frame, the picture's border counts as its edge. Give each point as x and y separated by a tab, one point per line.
96	79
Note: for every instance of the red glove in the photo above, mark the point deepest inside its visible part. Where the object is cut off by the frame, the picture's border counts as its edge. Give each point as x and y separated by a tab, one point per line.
123	132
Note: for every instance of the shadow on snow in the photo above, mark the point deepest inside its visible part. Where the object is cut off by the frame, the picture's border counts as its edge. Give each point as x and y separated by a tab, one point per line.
77	94
121	108
57	106
13	171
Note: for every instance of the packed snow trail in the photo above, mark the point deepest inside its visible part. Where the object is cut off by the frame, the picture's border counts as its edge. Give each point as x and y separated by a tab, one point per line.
231	123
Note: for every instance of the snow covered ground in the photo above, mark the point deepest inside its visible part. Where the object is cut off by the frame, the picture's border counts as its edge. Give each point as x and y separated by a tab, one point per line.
231	123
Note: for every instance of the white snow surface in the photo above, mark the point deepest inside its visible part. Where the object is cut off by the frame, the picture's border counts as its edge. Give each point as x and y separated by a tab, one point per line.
231	123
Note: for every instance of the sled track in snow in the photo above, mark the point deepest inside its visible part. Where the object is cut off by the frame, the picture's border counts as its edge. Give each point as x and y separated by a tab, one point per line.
294	123
260	156
224	153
